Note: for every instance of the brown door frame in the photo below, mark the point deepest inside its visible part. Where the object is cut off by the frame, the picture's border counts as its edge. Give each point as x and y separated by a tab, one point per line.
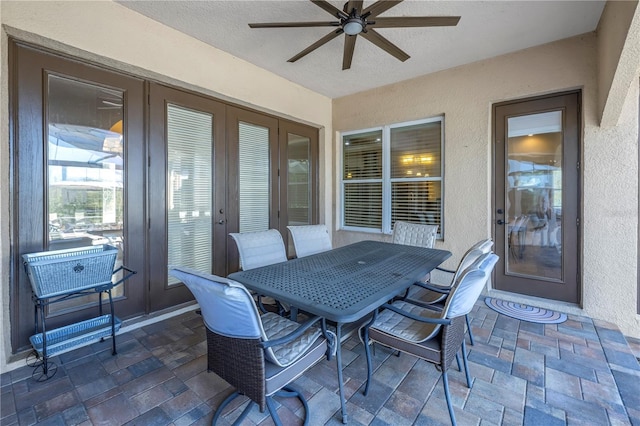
160	294
27	76
234	117
569	289
285	128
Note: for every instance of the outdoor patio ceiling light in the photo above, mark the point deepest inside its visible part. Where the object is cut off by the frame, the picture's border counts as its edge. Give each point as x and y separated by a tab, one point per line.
353	26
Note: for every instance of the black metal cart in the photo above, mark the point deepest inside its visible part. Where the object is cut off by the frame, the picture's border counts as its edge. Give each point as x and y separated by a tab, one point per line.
63	275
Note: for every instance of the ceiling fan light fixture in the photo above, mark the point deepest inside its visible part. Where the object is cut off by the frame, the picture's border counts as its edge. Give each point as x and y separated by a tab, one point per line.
353	26
354	20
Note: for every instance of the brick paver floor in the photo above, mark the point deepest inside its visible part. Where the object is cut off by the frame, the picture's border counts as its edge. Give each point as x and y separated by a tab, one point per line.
582	372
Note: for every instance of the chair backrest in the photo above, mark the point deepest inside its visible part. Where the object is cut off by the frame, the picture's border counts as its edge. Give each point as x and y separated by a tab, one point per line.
259	248
227	306
310	239
474	252
466	290
414	234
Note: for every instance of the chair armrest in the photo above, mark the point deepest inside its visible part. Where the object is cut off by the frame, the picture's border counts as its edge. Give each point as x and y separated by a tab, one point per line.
445	270
293	335
442	289
443	321
431	307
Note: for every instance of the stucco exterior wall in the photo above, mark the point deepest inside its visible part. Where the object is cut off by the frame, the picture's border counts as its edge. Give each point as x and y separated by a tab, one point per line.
611	219
465	96
618	57
107	33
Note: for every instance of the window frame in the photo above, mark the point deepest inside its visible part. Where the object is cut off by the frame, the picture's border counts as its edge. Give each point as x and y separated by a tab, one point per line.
386	180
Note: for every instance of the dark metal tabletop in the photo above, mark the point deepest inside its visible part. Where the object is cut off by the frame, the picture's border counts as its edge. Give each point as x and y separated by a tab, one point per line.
346	283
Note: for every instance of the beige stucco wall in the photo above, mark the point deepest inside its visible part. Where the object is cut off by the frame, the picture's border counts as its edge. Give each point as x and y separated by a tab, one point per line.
465	96
618	57
108	33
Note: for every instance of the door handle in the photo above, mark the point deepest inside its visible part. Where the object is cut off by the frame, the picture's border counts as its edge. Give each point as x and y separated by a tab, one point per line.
500	222
221	222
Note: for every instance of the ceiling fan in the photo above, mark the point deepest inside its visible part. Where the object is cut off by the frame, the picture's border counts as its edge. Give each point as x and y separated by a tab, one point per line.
355	21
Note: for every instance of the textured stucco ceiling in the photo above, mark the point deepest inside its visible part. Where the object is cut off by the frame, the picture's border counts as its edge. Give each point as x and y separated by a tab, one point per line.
486	29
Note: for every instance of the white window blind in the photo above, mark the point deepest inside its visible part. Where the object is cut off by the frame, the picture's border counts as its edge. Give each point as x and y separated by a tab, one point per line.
415	151
416	170
254	177
363	205
362	177
392	174
189	228
416	202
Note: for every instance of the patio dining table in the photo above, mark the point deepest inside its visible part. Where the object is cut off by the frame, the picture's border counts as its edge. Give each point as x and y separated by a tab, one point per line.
345	284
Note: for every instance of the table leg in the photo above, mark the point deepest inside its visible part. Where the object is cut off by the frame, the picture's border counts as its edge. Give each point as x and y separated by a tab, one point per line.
343	403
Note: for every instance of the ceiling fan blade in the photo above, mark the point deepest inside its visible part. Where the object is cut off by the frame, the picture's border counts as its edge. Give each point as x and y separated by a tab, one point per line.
417	21
295	24
384	44
330	8
353	4
378	7
317	44
349	46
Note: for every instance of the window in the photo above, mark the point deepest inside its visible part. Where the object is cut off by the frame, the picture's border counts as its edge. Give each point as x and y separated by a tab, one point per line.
253	157
393	173
189	204
85	171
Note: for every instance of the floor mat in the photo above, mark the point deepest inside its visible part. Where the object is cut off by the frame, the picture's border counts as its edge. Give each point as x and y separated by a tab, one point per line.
525	312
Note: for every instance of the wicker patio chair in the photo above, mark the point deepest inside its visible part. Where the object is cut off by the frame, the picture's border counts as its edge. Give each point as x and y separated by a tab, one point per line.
258	354
433	335
310	239
441	279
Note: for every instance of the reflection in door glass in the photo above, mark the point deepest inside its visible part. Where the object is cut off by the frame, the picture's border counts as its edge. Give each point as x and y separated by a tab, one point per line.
298	183
534	196
85	171
299	180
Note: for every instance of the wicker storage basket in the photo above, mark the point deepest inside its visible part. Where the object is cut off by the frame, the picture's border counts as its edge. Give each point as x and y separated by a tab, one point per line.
71	335
57	272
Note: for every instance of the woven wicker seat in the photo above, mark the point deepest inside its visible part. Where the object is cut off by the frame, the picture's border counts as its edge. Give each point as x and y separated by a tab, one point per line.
310	239
258	354
440	280
435	335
